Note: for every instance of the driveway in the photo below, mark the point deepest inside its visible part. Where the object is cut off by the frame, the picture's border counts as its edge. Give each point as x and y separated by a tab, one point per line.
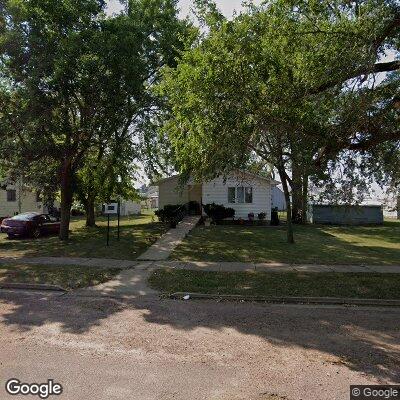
146	348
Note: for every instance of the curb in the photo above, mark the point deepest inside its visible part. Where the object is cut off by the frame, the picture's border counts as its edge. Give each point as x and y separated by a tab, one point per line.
32	286
289	300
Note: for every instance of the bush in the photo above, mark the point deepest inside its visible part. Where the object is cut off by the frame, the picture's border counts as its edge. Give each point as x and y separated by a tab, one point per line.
170	213
218	212
261	216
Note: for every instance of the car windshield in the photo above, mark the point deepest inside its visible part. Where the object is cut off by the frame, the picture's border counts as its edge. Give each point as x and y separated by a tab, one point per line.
24	217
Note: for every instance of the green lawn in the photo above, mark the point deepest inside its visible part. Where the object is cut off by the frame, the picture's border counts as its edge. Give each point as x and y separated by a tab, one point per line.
68	277
137	233
314	244
273	284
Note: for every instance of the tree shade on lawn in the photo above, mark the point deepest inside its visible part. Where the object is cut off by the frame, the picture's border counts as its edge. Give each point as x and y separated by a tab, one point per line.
137	234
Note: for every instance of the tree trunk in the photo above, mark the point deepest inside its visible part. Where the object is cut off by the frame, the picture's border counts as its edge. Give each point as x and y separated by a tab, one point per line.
297	198
290	236
90	212
398	206
66	198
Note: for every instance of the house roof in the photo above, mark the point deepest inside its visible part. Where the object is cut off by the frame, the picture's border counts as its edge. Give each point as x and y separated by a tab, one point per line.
264	178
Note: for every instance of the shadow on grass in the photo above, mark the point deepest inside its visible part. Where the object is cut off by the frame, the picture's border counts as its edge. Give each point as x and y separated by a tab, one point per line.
364	340
136	235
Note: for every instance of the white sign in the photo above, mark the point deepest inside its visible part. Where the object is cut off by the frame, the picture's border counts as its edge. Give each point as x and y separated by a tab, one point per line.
111	208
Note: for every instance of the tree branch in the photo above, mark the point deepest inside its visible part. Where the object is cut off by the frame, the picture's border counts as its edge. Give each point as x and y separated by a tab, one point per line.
376	68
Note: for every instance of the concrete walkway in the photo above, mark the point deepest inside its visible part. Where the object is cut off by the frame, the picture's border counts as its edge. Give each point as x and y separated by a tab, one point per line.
129	284
167	243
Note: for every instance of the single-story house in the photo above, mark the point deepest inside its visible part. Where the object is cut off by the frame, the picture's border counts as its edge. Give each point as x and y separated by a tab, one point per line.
16	199
243	191
345	214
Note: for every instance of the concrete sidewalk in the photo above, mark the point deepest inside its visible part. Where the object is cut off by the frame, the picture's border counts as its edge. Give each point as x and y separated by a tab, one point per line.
274	267
199	265
167	243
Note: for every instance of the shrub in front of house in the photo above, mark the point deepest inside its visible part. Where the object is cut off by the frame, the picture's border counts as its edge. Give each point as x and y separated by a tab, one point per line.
171	213
261	216
217	212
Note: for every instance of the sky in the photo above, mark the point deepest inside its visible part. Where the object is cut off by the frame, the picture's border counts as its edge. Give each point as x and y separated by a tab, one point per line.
226	6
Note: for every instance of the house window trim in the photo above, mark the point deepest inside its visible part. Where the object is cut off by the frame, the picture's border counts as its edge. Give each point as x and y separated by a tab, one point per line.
243	193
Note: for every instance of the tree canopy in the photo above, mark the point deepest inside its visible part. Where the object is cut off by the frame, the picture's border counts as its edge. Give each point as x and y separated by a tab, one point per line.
75	82
293	83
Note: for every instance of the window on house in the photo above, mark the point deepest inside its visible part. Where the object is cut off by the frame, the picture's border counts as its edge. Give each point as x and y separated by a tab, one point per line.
11	195
240	195
231	195
248	195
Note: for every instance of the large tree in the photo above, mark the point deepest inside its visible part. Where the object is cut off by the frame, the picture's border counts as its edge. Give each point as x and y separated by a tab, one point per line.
276	82
75	80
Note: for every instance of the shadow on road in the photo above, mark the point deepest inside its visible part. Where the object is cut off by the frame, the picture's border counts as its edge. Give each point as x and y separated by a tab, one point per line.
365	340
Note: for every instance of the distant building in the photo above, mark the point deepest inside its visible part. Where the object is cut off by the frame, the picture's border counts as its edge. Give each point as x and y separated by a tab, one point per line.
17	198
345	214
129	207
150	196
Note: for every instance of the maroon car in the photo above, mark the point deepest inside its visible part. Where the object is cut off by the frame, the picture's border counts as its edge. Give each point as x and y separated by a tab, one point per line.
30	224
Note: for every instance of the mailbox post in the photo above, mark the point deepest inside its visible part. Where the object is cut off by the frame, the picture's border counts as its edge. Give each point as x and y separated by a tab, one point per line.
111	209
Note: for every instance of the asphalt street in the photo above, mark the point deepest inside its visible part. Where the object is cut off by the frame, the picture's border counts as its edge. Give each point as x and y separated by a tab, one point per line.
150	348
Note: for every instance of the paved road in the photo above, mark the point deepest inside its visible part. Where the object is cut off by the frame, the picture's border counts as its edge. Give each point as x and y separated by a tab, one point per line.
149	349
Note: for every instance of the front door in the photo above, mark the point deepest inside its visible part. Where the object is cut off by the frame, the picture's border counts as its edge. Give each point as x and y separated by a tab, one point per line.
195	194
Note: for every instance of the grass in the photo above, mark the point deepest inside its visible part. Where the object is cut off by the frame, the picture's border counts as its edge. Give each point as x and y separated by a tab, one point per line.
68	277
137	234
373	245
272	284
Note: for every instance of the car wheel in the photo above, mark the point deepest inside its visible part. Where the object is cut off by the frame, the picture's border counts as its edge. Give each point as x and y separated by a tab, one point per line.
10	236
36	233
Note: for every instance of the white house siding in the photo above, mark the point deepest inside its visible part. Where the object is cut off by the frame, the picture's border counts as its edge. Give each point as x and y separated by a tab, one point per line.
25	201
216	191
278	198
170	193
130	208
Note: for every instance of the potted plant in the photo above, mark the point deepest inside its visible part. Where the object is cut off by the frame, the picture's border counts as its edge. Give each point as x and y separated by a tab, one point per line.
250	216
